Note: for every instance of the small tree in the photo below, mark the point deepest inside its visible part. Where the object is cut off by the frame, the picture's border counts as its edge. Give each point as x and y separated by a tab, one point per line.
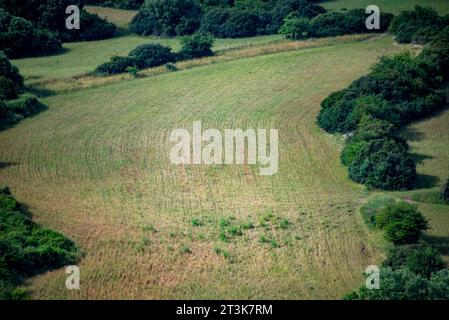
196	46
445	192
402	223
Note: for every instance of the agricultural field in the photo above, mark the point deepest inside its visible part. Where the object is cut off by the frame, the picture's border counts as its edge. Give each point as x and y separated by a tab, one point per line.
95	167
394	6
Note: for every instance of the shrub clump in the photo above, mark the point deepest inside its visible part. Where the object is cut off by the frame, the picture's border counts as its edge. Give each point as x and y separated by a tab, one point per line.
93	28
196	46
167	18
20	38
402	223
329	24
151	55
26	249
115	66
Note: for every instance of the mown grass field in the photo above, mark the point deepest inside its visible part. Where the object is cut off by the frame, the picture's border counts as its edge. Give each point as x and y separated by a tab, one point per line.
393	6
95	166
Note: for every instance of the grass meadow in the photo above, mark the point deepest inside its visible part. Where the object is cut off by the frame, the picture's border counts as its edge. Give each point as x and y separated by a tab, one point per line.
393	6
95	166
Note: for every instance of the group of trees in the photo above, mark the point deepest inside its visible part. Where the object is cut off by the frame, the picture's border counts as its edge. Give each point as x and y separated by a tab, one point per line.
371	110
37	27
153	55
221	18
26	249
14	104
330	24
411	270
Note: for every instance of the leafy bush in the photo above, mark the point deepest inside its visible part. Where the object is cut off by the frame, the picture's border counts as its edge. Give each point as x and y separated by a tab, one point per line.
420	25
93	28
20	38
167	18
402	223
115	66
13	111
11	72
421	260
373	207
401	284
171	67
384	164
50	14
445	191
26	249
151	55
196	46
330	24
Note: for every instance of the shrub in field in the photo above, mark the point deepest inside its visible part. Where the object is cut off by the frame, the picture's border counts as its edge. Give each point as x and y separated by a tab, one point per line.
20	38
167	18
151	55
439	285
115	66
50	14
384	164
402	223
445	192
421	260
196	46
26	249
401	284
171	67
11	82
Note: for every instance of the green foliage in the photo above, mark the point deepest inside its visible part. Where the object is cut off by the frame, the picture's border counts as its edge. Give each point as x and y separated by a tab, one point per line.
20	38
421	260
151	55
373	207
118	4
133	71
398	90
115	66
93	28
166	18
401	284
26	249
196	46
330	24
50	14
428	197
14	106
445	192
402	223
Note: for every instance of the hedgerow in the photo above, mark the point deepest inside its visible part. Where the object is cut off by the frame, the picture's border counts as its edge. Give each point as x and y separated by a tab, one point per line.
20	38
398	90
14	105
26	249
221	18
